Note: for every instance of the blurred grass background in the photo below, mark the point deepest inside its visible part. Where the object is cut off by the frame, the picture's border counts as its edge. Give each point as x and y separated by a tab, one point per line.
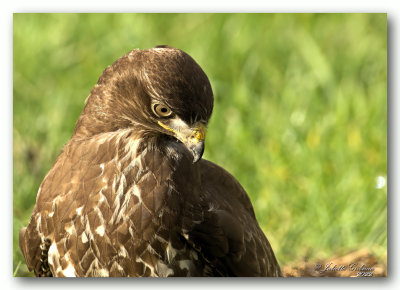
300	116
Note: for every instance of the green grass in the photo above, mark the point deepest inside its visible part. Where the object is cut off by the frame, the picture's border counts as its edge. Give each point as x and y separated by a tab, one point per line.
300	115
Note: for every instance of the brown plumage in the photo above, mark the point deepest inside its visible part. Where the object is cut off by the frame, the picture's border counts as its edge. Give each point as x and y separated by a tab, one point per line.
129	194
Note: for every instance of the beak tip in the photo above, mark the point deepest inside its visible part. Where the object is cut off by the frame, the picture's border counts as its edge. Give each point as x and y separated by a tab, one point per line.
197	151
196	159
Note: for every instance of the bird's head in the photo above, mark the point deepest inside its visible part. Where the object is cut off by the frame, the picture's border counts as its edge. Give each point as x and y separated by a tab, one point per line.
161	92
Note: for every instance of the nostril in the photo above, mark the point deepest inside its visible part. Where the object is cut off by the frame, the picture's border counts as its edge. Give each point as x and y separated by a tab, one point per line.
195	136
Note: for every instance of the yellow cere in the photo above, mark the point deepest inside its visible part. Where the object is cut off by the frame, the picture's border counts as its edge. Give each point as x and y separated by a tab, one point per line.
198	133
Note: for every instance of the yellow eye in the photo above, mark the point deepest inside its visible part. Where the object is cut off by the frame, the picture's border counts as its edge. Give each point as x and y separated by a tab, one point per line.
161	110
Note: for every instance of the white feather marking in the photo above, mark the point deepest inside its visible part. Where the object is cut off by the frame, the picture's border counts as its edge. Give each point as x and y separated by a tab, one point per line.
87	231
151	250
53	250
100	230
124	207
185	264
102	197
38	221
163	270
171	253
101	273
53	255
84	238
102	168
140	260
194	255
99	214
117	267
69	271
136	192
51	214
79	210
122	252
69	228
132	146
114	183
122	183
161	239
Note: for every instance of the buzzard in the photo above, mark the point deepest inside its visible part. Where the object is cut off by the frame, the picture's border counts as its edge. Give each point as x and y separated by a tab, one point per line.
129	195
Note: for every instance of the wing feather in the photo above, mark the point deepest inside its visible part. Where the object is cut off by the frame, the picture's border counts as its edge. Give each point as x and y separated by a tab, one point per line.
229	233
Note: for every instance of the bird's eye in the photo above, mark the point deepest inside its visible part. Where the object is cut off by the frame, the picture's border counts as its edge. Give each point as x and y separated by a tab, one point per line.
161	110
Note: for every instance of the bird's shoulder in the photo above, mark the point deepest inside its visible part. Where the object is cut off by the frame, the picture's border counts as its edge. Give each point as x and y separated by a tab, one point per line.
229	236
222	187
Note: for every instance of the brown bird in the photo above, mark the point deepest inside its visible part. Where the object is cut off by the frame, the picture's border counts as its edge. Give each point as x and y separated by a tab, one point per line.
129	195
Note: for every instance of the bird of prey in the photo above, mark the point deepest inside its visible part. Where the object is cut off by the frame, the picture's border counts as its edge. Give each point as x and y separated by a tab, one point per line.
129	195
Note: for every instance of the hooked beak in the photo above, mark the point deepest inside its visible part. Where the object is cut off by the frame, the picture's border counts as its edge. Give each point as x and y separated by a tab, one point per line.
196	148
192	137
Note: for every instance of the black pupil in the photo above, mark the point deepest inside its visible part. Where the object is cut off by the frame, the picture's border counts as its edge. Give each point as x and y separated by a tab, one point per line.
164	110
